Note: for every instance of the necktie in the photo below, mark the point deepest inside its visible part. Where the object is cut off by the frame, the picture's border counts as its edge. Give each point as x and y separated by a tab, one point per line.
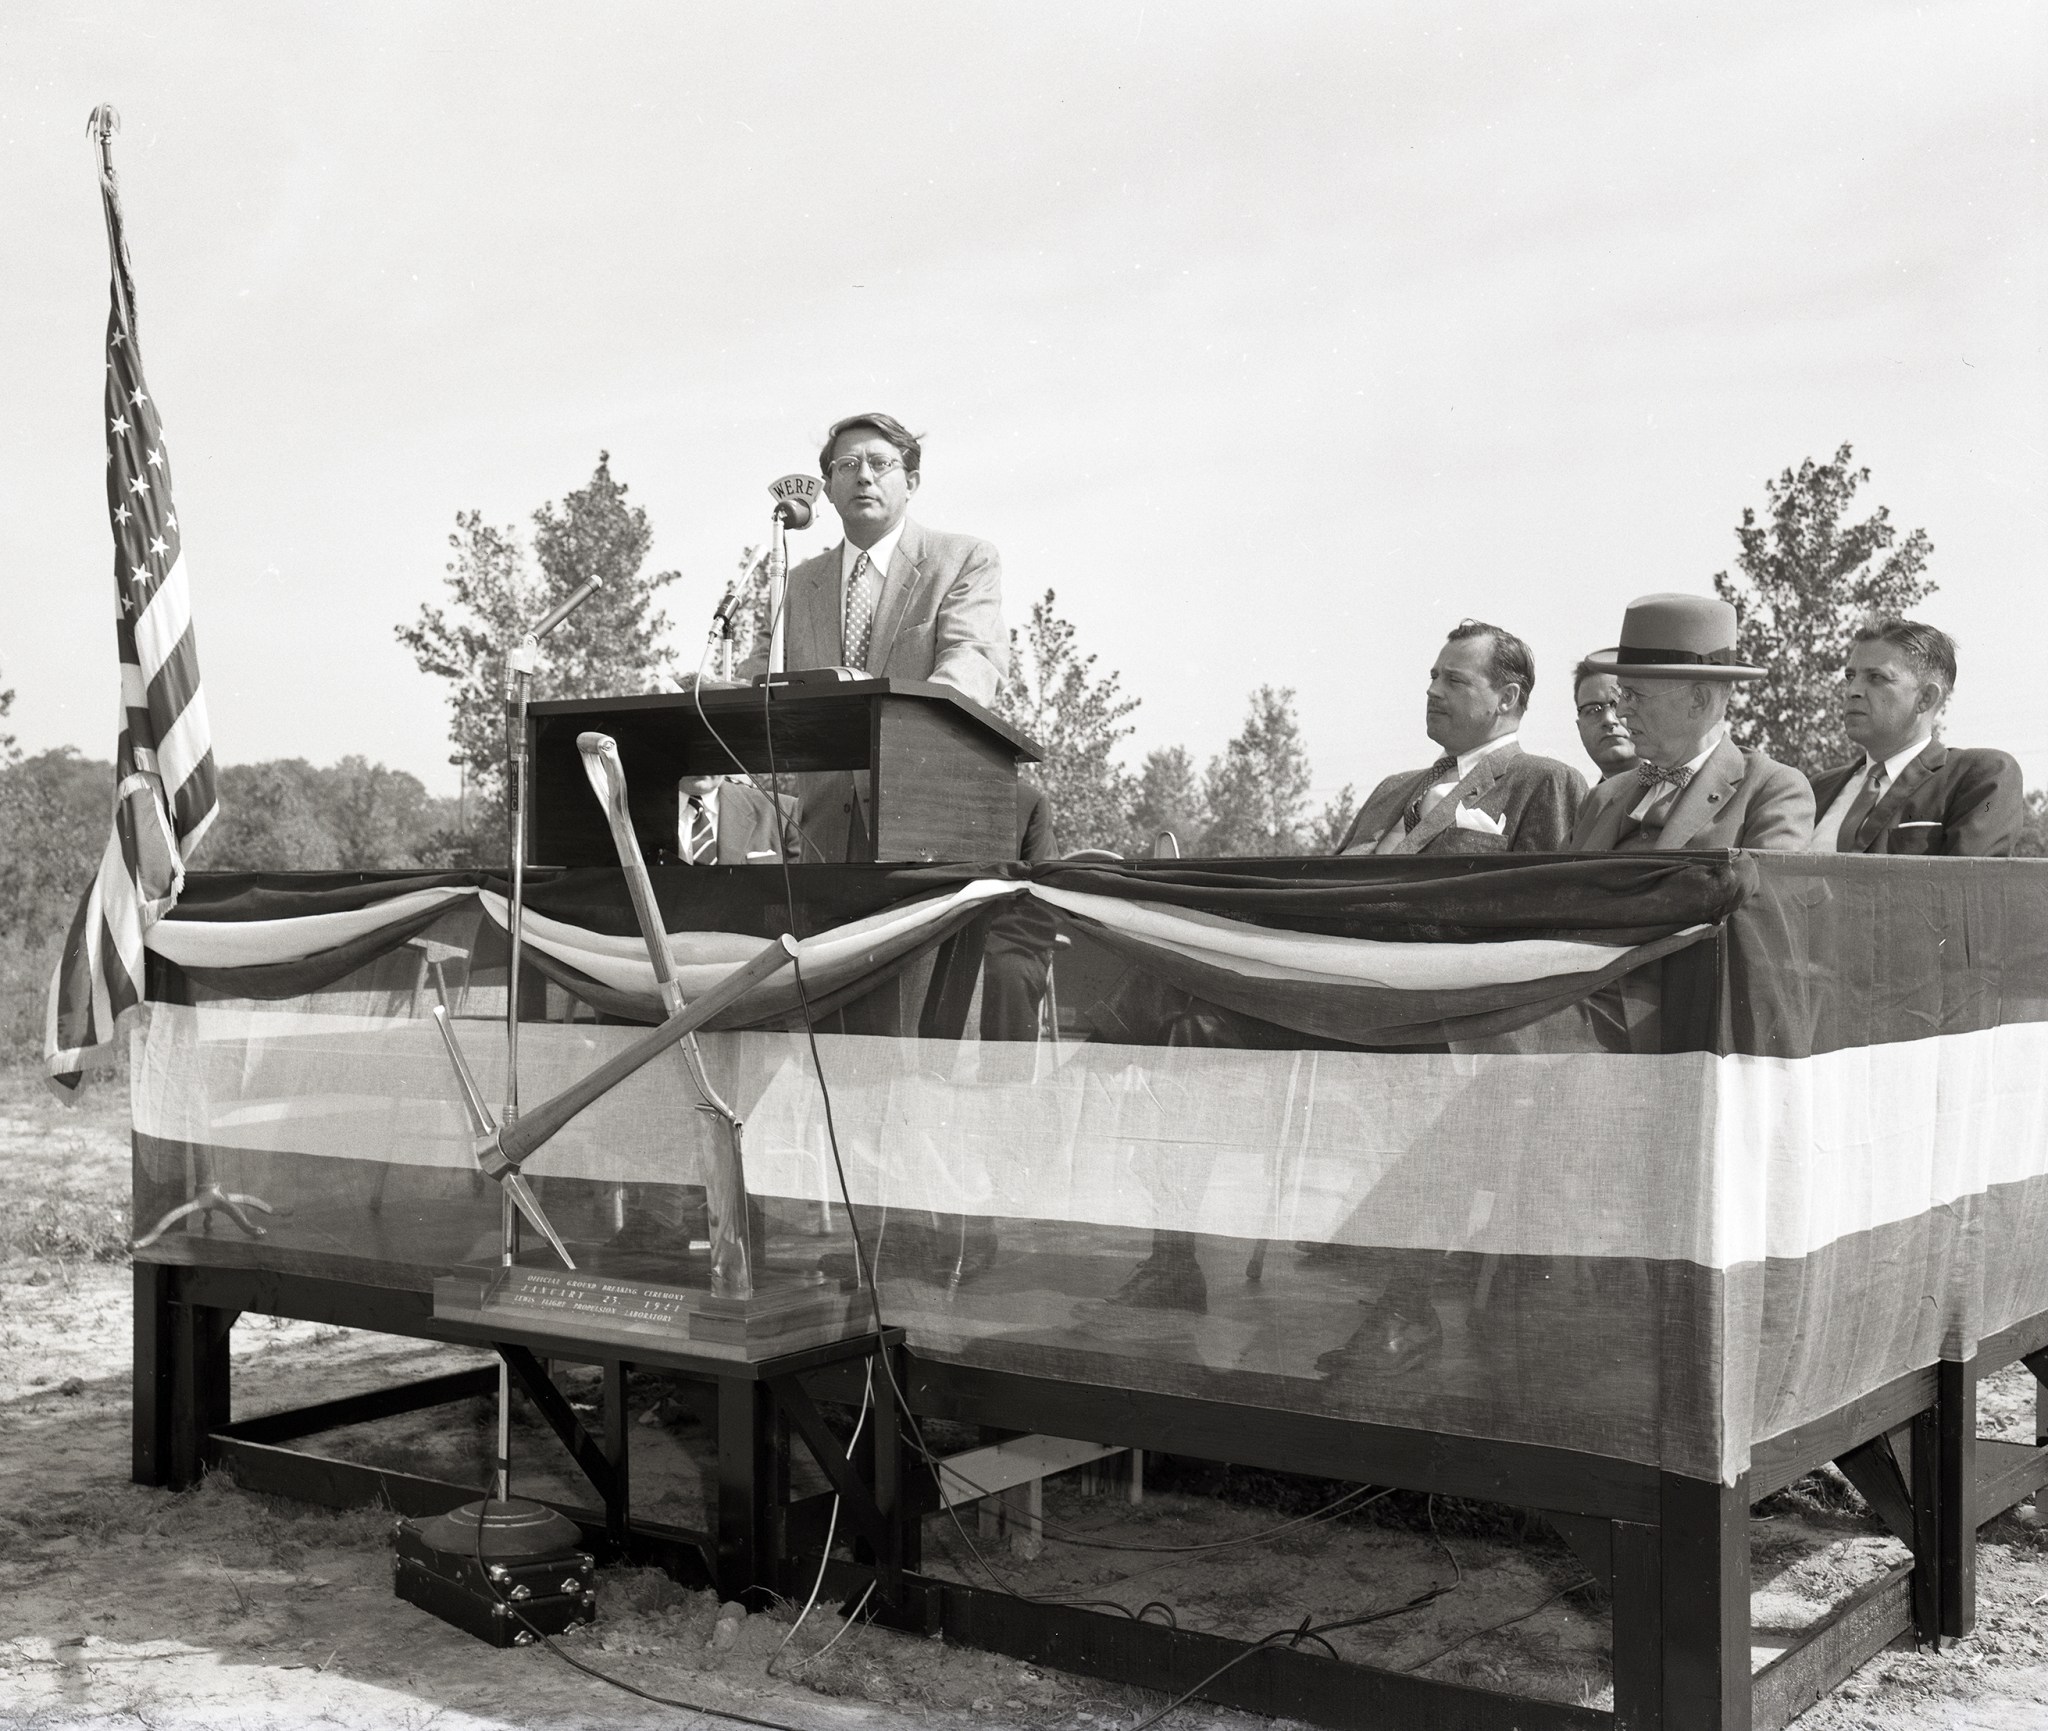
1860	808
1445	765
860	611
700	839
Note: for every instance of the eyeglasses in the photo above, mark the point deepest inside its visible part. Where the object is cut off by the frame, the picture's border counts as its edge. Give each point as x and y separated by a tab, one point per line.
1593	711
845	468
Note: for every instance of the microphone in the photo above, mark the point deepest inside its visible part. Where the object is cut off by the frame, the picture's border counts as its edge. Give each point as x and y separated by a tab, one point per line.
796	498
722	613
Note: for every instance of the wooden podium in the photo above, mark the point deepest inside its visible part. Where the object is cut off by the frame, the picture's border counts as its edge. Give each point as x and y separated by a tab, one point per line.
938	771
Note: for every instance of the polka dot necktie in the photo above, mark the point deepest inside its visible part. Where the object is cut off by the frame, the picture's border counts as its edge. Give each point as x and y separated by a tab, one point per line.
700	840
1446	765
860	611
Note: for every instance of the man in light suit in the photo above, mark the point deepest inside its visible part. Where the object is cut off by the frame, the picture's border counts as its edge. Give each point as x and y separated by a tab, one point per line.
1906	792
1484	794
1692	787
724	822
894	600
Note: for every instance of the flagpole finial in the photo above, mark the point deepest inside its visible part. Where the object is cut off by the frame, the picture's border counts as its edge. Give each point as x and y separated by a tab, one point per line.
100	126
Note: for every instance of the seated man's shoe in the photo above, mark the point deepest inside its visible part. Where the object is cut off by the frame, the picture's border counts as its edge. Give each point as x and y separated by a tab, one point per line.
1388	1342
1165	1283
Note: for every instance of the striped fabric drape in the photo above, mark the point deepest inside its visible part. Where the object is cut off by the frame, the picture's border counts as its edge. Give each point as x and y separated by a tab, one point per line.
164	793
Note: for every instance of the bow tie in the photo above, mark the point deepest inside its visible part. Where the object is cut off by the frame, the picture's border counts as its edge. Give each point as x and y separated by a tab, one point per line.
1654	776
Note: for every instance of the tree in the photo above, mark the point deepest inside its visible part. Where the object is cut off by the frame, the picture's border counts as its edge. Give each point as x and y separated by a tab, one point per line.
1257	788
1169	796
612	644
1328	830
10	753
269	821
55	811
1806	579
2033	842
1053	693
378	818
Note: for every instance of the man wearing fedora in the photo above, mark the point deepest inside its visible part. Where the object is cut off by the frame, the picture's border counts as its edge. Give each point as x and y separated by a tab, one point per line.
1484	794
1692	786
1906	792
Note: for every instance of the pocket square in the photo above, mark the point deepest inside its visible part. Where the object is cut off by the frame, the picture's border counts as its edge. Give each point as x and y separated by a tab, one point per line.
1472	818
1920	823
762	853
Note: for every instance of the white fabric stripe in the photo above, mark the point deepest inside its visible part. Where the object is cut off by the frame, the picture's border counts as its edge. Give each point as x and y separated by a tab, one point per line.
134	688
121	909
253	943
1318	957
1583	1154
164	621
620	961
703	958
180	751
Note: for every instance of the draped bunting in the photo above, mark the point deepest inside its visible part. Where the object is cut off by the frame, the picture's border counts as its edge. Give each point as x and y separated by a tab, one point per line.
1678	1153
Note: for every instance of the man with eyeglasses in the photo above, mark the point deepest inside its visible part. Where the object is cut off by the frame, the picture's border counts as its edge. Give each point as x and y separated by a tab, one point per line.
1692	787
1597	699
894	600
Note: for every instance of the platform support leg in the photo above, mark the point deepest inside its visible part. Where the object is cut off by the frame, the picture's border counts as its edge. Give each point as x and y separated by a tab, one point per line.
1924	1471
199	1394
1638	1640
618	1507
752	1471
155	1364
1703	1566
1956	1402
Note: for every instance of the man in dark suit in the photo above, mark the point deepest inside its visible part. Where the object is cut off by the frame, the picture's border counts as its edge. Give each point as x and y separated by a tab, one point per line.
894	600
1693	787
1906	792
1018	951
1484	794
723	822
1596	705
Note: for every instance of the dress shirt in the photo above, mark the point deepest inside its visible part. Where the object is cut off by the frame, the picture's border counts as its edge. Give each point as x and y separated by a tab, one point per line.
1827	834
683	819
879	556
1436	790
1663	790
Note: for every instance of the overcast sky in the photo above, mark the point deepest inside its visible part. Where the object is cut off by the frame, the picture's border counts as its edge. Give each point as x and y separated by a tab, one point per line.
1274	339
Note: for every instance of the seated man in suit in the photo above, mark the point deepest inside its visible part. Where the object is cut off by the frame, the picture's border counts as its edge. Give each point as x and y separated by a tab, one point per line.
1693	787
1596	700
1484	794
894	600
1906	792
725	822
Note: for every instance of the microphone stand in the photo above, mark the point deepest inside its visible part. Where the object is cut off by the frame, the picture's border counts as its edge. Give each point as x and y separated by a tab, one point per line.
522	662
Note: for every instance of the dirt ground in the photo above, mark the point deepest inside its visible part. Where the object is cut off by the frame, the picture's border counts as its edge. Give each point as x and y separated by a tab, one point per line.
214	1608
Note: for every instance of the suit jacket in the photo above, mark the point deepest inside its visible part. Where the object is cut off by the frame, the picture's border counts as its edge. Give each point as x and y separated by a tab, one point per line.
1739	799
1532	801
1955	802
938	616
747	828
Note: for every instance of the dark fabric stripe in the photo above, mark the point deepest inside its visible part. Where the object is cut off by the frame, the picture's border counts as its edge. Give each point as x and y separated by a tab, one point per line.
1629	1357
172	685
1842	950
1607	898
198	795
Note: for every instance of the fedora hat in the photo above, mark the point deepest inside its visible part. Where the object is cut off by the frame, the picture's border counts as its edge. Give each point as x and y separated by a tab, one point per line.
1675	637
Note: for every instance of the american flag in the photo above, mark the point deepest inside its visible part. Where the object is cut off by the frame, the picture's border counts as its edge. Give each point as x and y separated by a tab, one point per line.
164	794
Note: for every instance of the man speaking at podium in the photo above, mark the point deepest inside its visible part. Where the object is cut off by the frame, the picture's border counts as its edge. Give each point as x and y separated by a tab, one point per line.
894	600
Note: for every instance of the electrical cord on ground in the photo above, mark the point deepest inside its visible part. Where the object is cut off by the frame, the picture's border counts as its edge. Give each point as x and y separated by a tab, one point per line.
1504	1623
1303	1631
825	1554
